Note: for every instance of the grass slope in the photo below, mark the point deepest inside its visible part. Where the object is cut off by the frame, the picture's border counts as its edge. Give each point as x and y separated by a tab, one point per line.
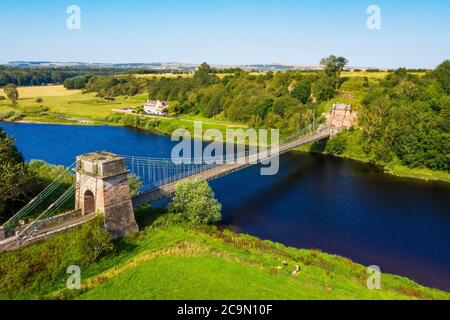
176	262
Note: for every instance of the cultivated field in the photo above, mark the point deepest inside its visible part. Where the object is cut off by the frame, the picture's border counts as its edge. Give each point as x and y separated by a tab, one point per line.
44	91
68	103
60	105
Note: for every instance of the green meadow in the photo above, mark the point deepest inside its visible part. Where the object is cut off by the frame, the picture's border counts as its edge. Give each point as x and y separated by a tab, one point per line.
55	104
168	260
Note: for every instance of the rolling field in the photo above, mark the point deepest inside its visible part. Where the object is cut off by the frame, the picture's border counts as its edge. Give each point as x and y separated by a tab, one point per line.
373	75
69	103
60	105
44	91
176	262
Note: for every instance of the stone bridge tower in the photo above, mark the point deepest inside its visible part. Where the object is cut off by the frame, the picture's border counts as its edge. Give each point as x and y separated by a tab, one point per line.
102	185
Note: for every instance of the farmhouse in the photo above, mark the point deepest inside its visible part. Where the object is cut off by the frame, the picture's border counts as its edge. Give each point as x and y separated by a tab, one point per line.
156	107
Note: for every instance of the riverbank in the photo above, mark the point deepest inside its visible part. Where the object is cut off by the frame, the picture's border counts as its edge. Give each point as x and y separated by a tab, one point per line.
352	149
394	169
171	261
57	105
165	126
342	207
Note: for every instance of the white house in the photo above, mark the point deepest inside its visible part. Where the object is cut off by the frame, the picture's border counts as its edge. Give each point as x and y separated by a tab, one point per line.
156	107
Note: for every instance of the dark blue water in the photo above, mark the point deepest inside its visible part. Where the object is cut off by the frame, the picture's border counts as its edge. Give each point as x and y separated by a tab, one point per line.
336	205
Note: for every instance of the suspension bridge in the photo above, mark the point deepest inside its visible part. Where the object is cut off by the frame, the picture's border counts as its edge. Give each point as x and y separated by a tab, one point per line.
102	185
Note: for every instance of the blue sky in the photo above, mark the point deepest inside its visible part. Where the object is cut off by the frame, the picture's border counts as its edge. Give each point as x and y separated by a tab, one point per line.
414	33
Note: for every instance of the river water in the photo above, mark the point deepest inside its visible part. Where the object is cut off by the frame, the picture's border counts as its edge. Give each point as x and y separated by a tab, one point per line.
336	205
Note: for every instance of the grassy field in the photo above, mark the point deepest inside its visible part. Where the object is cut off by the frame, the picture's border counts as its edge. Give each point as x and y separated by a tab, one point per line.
160	75
176	262
68	103
373	75
78	106
184	75
44	91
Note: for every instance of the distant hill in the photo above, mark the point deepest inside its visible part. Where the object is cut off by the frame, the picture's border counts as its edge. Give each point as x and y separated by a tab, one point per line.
158	65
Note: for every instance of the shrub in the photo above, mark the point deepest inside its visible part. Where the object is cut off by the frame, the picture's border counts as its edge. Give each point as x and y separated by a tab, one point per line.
2	98
337	144
6	115
196	200
26	269
35	110
39	100
17	117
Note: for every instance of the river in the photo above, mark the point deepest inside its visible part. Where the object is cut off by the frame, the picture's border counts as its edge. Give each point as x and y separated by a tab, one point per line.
336	205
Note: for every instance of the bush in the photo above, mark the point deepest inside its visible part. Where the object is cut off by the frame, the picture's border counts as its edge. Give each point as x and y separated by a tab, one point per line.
196	200
2	98
337	144
35	110
134	121
39	100
27	269
17	117
6	115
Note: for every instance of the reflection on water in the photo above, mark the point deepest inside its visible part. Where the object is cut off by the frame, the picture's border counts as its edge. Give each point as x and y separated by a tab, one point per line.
336	205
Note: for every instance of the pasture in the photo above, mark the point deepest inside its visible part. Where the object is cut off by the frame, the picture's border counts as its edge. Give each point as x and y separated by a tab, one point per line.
57	100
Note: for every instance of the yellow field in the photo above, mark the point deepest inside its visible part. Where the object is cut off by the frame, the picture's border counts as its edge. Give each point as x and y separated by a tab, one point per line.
44	91
75	106
166	75
70	103
376	75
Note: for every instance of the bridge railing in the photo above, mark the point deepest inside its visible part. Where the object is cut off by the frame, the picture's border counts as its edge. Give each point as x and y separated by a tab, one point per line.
30	207
156	172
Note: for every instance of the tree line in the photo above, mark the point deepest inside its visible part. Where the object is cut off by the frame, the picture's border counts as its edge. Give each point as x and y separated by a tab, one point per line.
407	117
285	100
404	117
45	76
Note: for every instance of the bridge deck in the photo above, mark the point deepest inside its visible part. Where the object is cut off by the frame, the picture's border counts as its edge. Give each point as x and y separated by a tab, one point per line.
168	189
15	242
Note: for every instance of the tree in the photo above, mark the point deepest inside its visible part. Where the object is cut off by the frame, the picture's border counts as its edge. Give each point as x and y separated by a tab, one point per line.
282	104
11	92
196	200
336	145
407	90
333	66
203	75
325	87
442	75
302	90
263	107
327	84
15	179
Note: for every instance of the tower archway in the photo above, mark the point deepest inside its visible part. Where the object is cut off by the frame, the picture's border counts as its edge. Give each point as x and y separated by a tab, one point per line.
88	202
